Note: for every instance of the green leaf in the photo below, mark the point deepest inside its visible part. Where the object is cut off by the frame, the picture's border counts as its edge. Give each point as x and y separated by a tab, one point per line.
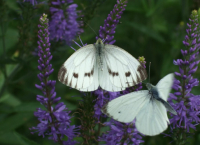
11	38
147	31
14	138
10	100
28	107
24	140
14	121
12	5
4	60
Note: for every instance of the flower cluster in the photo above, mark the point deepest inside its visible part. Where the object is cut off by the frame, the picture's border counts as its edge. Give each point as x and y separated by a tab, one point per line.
187	106
54	121
108	30
121	133
64	24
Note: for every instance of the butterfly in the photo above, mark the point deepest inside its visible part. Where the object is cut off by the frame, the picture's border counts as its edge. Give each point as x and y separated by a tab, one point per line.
149	107
104	65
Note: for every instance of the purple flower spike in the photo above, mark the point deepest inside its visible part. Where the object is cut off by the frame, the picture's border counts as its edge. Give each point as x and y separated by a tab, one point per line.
54	121
186	102
64	24
121	134
106	32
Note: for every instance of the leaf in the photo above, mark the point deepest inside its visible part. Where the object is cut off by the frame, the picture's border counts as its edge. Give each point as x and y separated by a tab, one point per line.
10	100
25	140
28	107
11	38
14	138
14	121
4	60
147	31
12	5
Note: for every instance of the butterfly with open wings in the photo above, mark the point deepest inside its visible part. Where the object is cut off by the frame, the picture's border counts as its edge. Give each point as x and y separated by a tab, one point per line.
104	65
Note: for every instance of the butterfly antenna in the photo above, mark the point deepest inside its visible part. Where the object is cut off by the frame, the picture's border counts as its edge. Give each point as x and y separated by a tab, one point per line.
89	26
149	70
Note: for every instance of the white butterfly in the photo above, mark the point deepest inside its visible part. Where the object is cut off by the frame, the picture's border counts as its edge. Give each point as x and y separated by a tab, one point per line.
104	65
149	107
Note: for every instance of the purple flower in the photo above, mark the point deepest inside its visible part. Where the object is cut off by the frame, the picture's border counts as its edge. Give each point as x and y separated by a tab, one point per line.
107	31
33	2
64	24
121	134
54	121
187	106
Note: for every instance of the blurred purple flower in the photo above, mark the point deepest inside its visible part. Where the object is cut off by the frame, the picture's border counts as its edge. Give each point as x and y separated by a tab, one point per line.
187	104
33	2
121	134
64	24
55	121
108	30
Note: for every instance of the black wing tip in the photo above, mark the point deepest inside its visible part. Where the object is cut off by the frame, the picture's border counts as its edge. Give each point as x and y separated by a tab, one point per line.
61	74
143	73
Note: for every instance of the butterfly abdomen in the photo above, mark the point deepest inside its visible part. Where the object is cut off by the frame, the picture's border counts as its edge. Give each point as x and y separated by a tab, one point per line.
99	52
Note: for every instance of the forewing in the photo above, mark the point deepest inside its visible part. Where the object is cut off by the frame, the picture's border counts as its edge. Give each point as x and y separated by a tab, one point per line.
125	108
152	118
79	71
124	70
164	86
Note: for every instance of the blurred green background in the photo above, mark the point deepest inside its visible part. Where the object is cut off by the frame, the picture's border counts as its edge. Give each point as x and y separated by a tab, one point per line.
154	29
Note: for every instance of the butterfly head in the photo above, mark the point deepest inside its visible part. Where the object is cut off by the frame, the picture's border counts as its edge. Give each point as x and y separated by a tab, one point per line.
149	86
99	41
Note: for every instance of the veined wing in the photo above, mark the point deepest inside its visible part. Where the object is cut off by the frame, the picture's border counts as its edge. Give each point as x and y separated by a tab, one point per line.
78	71
164	86
152	118
125	108
124	70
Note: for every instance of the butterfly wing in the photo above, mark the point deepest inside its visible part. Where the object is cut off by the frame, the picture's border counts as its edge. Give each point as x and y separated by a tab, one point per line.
123	69
164	86
125	108
79	70
152	118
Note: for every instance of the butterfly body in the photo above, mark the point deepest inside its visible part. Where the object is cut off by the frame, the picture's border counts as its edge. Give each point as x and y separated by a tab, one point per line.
99	51
148	107
101	65
153	91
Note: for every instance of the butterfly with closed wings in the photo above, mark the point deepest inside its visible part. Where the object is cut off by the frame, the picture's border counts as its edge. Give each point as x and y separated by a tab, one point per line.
149	107
104	65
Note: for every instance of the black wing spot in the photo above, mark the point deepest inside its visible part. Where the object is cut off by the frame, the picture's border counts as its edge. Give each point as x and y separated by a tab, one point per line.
112	73
127	74
90	73
75	75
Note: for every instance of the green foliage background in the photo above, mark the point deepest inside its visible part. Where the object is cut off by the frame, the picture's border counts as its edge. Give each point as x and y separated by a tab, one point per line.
154	29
